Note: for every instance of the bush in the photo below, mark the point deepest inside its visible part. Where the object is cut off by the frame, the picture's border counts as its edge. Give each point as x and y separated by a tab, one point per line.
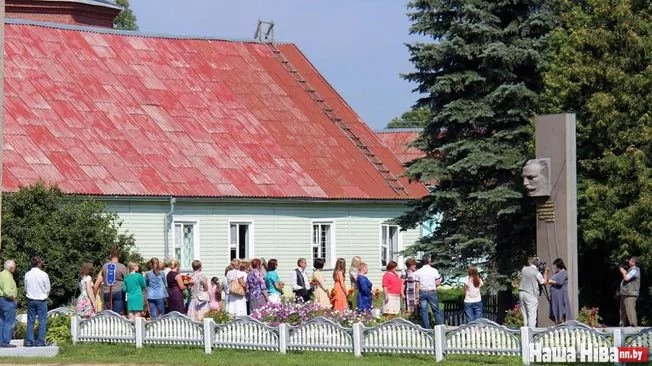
514	317
451	294
58	330
64	231
590	317
219	316
20	330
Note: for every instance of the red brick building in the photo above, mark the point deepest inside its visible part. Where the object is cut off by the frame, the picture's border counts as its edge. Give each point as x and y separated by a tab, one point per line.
97	13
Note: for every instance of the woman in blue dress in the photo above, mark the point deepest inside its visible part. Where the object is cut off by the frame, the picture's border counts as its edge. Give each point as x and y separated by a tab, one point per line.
559	300
364	289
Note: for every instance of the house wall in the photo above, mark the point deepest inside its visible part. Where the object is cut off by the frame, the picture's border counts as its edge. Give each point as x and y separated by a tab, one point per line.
280	230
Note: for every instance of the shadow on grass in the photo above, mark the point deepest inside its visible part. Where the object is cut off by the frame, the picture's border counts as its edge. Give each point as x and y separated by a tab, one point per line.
102	354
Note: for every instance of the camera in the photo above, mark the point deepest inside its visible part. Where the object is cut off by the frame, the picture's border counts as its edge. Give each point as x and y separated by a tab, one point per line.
542	269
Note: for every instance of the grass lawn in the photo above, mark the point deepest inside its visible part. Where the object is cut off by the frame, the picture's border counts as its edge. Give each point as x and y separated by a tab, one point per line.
167	355
101	354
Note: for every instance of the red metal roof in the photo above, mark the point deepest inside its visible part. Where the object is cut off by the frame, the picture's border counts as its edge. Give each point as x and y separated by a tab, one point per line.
110	113
398	140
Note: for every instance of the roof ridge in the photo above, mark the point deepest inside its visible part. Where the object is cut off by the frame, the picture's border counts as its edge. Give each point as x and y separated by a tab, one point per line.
103	30
394	130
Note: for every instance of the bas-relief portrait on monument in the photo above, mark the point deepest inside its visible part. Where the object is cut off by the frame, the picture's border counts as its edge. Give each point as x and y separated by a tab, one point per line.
536	177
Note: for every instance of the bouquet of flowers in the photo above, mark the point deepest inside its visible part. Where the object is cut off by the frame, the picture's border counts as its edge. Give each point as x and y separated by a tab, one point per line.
187	280
377	293
351	298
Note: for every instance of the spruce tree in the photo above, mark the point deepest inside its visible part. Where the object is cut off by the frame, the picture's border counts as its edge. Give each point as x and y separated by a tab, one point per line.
481	76
600	59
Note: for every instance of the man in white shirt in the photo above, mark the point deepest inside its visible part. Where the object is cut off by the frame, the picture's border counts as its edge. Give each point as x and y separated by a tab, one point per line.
529	291
429	279
37	290
300	282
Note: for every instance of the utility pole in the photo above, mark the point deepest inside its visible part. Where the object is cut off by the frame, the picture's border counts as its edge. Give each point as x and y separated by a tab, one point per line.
2	102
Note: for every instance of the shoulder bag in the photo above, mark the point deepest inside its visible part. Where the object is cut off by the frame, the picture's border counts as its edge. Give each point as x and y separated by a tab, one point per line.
235	287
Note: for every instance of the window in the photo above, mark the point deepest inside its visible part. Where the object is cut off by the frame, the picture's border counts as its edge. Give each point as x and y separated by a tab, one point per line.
239	246
388	244
321	242
184	243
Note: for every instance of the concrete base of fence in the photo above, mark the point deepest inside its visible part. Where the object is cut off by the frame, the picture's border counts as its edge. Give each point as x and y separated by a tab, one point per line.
22	351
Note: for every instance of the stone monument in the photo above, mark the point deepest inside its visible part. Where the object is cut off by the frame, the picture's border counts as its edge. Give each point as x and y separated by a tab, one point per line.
551	180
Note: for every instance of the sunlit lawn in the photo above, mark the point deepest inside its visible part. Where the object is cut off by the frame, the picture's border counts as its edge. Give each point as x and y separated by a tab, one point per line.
167	355
101	354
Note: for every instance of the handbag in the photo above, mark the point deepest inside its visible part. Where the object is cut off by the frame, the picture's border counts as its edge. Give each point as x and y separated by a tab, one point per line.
203	297
235	287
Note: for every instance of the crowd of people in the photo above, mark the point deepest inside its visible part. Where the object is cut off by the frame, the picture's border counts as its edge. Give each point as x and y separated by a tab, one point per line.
249	285
246	286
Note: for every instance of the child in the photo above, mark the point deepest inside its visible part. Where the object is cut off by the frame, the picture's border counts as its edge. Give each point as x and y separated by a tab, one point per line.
134	284
215	293
364	289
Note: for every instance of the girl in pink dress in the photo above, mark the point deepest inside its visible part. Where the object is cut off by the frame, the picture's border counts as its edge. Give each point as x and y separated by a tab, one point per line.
215	293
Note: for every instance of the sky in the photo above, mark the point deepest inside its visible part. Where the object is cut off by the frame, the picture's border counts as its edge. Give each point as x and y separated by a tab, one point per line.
358	45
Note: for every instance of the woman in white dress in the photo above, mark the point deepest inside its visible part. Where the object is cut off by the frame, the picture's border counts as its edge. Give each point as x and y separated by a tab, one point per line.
86	301
236	304
353	276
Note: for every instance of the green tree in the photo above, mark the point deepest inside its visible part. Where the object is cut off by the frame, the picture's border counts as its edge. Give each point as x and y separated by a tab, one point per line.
126	20
64	231
600	59
417	117
482	76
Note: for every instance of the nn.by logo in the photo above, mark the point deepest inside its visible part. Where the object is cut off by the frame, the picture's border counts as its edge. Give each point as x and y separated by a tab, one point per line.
586	353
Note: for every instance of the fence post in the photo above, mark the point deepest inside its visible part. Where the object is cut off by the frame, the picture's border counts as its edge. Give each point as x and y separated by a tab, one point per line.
439	337
525	345
74	329
357	339
139	324
618	340
208	335
283	338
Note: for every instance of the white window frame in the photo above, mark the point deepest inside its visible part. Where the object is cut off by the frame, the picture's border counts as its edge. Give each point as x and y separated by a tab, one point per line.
331	256
250	247
187	220
398	246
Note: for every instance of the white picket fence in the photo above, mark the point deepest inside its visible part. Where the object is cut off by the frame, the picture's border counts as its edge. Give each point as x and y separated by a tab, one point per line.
481	337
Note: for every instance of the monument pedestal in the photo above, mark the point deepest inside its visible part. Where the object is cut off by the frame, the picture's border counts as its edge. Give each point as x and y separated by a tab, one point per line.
557	214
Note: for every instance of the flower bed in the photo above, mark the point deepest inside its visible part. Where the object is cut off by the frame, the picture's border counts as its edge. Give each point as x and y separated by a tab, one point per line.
295	314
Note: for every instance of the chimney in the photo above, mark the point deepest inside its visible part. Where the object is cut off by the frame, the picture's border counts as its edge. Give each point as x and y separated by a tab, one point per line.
96	13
